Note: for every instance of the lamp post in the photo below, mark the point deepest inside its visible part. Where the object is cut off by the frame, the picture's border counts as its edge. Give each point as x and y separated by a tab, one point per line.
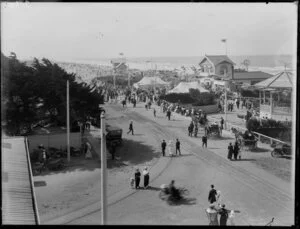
103	169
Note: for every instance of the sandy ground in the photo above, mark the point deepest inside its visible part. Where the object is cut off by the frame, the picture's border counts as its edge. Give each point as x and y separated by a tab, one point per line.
79	185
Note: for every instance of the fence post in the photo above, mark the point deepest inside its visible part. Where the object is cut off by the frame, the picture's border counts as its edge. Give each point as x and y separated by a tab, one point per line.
271	141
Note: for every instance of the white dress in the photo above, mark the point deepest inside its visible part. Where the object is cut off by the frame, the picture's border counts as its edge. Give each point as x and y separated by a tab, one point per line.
88	153
170	148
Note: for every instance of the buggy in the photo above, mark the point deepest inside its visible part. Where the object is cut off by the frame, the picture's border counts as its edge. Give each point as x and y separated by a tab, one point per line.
214	129
247	140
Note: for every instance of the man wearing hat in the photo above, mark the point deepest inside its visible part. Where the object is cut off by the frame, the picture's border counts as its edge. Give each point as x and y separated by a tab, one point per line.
223	212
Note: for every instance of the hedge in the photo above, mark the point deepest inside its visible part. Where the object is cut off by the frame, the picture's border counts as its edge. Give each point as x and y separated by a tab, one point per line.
193	97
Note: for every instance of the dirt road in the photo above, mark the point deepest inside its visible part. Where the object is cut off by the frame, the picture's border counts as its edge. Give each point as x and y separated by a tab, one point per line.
258	194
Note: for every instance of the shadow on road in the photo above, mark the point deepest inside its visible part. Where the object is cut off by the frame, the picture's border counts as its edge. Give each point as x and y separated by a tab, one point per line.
260	150
76	164
246	159
185	201
135	152
150	188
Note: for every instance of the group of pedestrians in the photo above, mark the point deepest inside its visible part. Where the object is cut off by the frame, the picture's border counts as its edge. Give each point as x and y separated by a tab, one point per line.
170	148
234	151
135	182
216	209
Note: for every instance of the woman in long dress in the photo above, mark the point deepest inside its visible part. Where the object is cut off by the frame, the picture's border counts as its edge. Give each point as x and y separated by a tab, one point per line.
170	148
212	215
146	177
88	154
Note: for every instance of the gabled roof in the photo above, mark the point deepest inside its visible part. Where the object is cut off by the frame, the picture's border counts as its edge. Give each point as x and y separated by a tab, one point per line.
217	59
251	75
281	80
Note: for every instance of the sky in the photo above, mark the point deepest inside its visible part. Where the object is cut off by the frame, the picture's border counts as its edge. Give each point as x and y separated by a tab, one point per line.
68	31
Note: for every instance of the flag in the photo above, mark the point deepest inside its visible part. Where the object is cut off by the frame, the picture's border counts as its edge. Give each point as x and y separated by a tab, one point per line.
121	54
223	40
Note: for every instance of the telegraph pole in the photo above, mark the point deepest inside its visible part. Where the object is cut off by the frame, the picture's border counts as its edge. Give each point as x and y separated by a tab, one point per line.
225	108
68	122
103	170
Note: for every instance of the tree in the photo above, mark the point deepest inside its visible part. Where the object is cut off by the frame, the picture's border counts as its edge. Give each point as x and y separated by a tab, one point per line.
35	93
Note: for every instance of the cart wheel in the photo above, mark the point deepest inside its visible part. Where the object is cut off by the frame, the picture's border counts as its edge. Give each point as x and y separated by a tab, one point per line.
275	154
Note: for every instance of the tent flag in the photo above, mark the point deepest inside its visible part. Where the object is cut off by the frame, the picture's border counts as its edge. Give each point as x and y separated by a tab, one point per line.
223	40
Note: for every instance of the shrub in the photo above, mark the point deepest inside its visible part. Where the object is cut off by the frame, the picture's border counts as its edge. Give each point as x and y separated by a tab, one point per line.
249	93
252	124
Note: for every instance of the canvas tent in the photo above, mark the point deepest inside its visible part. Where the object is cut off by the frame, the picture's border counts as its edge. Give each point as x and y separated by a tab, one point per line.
150	82
183	87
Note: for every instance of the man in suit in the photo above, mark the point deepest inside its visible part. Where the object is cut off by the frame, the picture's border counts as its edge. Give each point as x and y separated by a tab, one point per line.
212	195
163	147
178	146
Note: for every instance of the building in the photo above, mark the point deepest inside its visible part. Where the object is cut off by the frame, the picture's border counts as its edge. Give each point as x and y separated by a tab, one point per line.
217	65
119	66
250	78
275	95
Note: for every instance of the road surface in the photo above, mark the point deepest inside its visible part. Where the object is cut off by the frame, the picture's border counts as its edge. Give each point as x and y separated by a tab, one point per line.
258	194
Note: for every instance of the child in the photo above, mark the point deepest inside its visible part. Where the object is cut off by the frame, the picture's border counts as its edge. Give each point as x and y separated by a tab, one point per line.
132	182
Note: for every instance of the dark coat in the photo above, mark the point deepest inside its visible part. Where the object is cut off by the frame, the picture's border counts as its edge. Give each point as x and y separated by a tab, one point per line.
177	145
163	145
212	195
224	216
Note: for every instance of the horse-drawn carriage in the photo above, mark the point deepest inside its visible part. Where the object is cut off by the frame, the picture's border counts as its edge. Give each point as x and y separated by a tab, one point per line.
213	129
246	140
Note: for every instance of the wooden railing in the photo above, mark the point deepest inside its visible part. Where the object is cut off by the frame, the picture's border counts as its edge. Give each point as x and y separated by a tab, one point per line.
34	201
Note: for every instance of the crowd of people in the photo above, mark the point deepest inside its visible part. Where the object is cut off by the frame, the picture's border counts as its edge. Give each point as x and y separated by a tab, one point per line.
216	208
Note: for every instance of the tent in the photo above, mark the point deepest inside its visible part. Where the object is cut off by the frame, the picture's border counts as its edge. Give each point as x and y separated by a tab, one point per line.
150	82
183	87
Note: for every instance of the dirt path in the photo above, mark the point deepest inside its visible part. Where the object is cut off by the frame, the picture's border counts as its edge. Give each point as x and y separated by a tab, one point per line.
258	194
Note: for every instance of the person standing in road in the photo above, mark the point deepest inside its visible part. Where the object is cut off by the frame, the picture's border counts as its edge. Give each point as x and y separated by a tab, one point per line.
230	151
223	212
178	146
169	114
137	177
154	112
196	131
222	123
163	147
88	153
238	103
212	194
204	141
130	128
236	150
146	177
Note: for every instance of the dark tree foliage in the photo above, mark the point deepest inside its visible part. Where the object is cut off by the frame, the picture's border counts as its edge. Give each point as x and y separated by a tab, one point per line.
33	94
250	93
193	97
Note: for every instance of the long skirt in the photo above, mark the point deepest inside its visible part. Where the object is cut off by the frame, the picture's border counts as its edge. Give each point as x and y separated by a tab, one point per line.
146	180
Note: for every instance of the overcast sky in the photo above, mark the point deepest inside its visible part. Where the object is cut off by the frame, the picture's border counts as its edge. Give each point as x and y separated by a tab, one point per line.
65	31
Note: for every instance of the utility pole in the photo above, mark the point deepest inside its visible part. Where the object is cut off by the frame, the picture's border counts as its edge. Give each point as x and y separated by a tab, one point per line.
68	122
114	77
103	169
225	108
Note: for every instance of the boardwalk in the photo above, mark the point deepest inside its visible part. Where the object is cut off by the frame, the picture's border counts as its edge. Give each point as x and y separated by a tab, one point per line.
18	205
